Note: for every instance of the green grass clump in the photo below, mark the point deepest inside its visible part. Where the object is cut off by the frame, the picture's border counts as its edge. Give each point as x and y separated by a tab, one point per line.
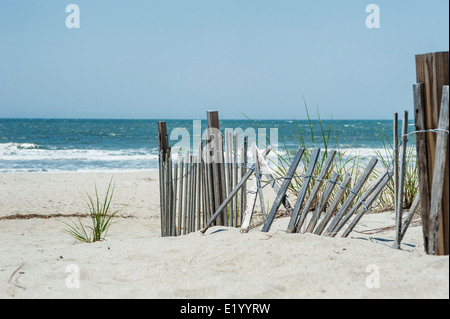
100	216
411	182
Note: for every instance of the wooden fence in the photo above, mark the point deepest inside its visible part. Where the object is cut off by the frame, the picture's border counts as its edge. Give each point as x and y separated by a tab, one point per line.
209	188
193	187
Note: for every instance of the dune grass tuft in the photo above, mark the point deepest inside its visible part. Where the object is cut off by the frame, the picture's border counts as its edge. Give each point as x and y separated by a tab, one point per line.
100	216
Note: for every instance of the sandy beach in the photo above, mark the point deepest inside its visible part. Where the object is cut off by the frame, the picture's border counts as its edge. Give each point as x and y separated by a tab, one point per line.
39	260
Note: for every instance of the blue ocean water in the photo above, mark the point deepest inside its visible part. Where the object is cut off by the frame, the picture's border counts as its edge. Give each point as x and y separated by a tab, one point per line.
71	145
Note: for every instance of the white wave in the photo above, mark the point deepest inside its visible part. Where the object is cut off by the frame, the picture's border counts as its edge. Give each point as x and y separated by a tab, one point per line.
13	153
17	146
368	152
76	170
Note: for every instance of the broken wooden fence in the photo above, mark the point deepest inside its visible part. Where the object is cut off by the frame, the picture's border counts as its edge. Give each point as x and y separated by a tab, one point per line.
325	217
324	206
197	193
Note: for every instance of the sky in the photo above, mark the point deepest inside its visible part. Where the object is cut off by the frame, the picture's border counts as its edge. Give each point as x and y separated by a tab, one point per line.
174	59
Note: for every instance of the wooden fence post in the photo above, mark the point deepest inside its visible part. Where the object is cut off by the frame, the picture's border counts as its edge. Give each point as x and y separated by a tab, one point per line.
163	149
422	162
437	190
216	171
401	182
433	72
395	158
284	187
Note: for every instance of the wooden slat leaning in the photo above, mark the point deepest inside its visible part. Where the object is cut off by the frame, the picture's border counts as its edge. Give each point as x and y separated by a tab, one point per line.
283	190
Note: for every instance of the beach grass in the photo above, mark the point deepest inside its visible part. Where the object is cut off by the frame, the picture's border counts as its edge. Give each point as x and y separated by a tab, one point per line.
99	211
411	182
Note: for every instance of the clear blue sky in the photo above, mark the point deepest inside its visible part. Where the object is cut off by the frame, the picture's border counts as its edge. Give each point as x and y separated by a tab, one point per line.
177	59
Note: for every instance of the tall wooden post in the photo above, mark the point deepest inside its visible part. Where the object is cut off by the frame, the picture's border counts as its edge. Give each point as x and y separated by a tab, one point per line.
163	138
216	169
433	73
164	154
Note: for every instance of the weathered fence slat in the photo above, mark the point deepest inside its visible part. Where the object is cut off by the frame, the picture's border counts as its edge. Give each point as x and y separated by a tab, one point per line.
401	183
213	130
244	160
368	203
173	230
162	191
194	194
361	201
200	197
303	190
229	176
168	195
359	184
223	182
258	175
412	211
283	190
422	162
186	191
437	188
190	196
323	201
315	190
205	195
329	213
235	178
395	159
180	199
212	199
216	187
252	193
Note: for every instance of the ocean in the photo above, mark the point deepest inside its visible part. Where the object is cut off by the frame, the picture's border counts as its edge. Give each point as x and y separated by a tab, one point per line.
91	145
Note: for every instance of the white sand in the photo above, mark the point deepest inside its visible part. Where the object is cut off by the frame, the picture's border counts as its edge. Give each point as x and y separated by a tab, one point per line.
134	262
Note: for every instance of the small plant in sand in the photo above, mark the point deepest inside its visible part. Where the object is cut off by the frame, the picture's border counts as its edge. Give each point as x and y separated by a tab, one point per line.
100	216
